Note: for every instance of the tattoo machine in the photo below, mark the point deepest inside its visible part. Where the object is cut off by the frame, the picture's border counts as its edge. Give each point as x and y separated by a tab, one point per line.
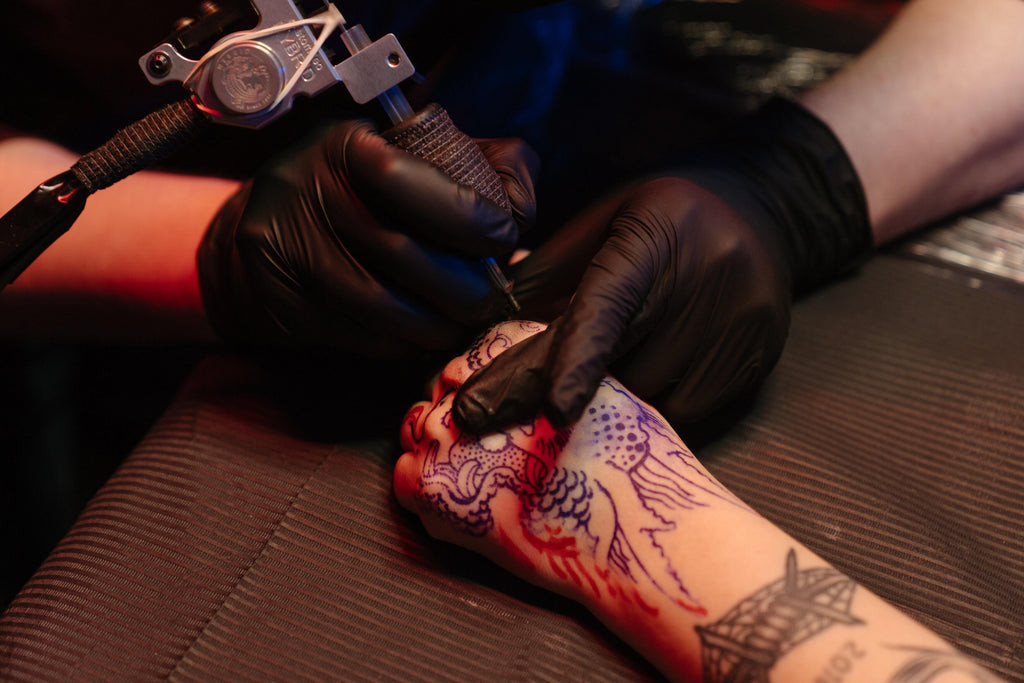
248	77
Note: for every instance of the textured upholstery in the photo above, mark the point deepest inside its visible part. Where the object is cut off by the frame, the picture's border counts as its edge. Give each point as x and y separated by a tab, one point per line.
231	545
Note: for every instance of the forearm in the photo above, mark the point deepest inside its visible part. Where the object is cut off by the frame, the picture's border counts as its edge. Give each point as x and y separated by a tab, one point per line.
693	579
126	269
774	611
932	115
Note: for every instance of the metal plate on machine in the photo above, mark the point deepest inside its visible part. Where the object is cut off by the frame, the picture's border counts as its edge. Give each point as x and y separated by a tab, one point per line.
375	69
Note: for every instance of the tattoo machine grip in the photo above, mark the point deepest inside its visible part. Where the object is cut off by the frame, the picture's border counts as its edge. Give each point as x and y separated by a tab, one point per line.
432	135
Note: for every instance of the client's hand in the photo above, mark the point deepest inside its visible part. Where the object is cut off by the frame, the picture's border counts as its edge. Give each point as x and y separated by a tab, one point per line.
615	512
578	510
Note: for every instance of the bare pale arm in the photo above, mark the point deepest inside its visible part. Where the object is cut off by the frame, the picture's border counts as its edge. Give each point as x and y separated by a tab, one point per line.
126	269
932	114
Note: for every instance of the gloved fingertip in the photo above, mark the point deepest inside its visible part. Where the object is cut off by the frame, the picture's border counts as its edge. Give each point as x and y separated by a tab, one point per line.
482	407
472	415
500	238
562	416
569	396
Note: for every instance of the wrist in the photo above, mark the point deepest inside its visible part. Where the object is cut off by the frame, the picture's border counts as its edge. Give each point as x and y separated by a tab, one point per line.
656	628
788	175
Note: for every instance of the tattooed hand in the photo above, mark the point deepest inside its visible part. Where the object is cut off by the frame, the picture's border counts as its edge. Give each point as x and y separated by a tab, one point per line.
615	512
582	509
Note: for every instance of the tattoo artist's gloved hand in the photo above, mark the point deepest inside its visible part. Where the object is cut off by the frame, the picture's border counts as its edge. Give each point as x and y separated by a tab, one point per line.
681	285
352	243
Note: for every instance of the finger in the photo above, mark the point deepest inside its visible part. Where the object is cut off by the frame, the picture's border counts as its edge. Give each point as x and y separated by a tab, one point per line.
406	481
591	335
458	288
510	389
721	332
559	370
370	322
420	197
386	314
517	165
707	388
683	314
411	433
344	304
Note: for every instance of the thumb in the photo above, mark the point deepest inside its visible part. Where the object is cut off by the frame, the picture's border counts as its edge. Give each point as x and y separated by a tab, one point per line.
517	165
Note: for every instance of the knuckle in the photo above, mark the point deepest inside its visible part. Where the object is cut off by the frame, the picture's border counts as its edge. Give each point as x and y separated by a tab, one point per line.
356	143
250	236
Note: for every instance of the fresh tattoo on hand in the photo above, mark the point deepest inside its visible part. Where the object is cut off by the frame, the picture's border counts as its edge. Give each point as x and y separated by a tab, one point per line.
592	500
745	643
616	512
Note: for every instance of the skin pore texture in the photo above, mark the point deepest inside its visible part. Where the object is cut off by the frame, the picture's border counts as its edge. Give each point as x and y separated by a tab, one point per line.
617	513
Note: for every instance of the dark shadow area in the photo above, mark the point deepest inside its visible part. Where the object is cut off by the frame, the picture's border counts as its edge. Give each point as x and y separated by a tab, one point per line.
69	416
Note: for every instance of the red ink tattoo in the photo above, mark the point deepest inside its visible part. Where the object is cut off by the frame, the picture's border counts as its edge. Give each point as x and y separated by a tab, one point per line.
696	609
563	556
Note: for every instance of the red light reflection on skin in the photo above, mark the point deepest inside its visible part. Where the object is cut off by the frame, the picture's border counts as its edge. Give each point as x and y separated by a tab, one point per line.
630	594
412	421
514	550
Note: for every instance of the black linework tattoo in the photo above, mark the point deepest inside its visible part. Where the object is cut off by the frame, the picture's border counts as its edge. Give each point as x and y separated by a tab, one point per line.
928	666
490	344
750	638
596	510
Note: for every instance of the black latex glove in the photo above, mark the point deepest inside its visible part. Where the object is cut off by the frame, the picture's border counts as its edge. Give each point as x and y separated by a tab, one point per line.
681	285
352	243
